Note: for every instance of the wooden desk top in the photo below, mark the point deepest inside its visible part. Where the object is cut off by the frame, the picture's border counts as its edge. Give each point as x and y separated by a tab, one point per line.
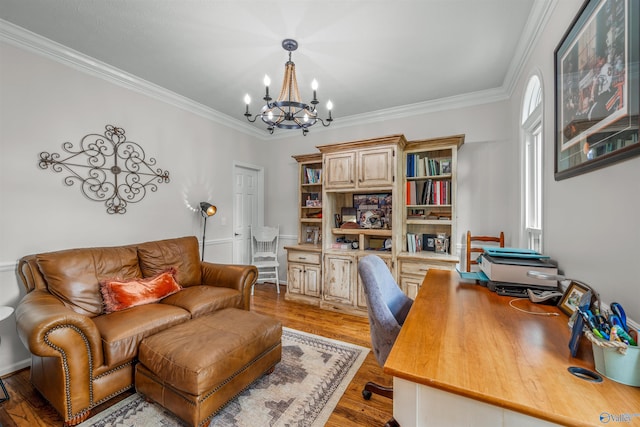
464	339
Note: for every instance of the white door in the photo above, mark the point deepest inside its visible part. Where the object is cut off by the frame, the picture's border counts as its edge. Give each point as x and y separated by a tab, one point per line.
248	208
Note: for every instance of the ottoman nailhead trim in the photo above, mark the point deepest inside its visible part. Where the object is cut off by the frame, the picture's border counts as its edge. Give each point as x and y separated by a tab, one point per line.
222	384
238	372
214	413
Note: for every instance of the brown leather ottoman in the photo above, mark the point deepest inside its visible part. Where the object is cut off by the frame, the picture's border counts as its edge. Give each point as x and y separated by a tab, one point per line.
195	368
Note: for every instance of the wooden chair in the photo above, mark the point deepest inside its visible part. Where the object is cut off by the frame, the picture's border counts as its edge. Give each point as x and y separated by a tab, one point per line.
264	254
471	249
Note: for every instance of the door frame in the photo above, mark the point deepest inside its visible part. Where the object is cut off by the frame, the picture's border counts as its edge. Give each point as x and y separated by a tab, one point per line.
260	202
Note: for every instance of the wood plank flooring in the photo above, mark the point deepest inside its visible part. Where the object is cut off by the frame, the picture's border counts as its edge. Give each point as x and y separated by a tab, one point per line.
27	408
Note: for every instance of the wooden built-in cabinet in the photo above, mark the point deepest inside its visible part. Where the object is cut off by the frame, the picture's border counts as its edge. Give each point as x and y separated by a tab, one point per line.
304	274
365	169
359	168
429	209
386	172
304	260
339	280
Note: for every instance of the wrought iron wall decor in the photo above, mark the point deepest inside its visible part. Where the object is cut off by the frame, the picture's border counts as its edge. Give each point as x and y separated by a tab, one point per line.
108	168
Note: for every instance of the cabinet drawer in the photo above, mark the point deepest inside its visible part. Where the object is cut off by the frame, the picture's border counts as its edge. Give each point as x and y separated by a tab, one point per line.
420	268
414	268
304	257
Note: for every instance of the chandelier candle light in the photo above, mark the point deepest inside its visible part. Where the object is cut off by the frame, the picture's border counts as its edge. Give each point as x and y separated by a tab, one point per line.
288	112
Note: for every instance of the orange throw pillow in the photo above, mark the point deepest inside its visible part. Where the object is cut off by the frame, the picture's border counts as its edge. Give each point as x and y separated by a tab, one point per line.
121	294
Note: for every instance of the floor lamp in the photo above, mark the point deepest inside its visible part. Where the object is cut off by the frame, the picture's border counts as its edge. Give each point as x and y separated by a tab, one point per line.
206	210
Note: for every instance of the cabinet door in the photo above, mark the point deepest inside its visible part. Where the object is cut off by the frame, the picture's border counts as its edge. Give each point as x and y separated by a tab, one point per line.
312	280
410	285
339	170
295	278
375	167
339	279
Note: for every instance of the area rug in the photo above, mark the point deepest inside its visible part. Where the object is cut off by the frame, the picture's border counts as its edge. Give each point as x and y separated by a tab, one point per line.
303	390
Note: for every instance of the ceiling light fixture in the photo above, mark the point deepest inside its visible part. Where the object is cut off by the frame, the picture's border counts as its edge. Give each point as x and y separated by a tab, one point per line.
288	112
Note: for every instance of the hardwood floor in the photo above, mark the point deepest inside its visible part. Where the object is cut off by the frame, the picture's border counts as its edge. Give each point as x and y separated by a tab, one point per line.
27	408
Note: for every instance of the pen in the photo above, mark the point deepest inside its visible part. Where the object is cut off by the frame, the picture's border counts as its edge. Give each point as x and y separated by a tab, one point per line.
624	336
588	320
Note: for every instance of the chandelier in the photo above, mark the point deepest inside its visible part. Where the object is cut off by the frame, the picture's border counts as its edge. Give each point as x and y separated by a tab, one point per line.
288	112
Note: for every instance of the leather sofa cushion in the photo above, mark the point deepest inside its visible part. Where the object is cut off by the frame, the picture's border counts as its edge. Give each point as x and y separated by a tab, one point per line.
122	331
74	275
198	355
181	253
200	300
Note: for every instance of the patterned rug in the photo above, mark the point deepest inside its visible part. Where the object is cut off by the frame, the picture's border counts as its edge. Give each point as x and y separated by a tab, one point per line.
302	391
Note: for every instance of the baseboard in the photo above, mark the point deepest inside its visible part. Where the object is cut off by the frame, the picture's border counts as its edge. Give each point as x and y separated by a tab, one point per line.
15	367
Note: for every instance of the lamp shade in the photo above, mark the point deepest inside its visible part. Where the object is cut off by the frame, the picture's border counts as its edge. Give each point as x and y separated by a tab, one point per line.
208	209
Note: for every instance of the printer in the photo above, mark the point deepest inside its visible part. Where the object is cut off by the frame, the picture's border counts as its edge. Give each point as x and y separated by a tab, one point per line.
506	269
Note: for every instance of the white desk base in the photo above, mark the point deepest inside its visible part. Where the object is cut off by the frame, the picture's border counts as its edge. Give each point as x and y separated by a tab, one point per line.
417	405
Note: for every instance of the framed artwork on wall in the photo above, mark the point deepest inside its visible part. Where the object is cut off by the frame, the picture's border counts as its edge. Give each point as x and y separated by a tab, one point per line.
597	93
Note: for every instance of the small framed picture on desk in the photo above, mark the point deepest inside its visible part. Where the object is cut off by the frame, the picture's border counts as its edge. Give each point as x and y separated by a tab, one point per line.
571	298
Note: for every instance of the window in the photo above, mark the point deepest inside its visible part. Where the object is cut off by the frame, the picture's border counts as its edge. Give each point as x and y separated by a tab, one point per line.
532	167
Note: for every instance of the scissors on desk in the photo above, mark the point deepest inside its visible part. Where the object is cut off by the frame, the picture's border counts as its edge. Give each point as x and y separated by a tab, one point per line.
620	317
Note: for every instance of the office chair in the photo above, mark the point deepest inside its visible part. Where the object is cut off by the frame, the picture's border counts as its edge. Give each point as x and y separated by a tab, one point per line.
470	249
387	307
264	254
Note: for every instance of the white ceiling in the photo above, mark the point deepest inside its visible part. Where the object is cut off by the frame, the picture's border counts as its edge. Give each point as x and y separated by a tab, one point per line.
367	55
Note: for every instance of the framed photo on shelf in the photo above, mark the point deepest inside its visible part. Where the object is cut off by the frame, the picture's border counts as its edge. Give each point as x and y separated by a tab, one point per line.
571	298
596	88
312	235
378	205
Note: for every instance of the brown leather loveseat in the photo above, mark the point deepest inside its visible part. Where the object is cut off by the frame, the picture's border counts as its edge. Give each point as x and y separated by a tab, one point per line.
83	355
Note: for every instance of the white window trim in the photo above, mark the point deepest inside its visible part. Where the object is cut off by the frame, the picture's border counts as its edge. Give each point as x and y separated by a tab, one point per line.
531	124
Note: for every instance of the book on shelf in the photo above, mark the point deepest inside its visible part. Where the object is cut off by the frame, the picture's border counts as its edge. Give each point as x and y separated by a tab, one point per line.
313	175
429	192
414	242
422	166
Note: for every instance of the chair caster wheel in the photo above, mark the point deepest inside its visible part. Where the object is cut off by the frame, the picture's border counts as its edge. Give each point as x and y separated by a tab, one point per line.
366	394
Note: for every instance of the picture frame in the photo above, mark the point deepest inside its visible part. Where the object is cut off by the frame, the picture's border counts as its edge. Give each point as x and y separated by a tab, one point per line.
429	242
312	235
571	298
378	204
597	88
348	215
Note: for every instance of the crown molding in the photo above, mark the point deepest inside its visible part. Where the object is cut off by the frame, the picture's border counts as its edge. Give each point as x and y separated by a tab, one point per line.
22	38
35	43
538	18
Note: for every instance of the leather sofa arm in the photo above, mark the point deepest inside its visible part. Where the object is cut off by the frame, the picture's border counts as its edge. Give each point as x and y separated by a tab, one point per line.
49	329
240	277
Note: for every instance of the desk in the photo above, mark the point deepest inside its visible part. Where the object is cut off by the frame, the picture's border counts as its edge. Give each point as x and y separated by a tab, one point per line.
464	357
5	312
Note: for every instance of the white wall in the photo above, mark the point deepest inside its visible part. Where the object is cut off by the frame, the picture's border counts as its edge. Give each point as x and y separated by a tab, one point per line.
590	221
44	104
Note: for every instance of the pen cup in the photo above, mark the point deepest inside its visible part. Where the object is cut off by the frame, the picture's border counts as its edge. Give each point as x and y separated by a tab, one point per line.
613	364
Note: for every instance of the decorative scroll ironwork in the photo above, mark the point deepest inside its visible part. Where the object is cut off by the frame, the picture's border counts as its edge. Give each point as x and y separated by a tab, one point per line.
108	168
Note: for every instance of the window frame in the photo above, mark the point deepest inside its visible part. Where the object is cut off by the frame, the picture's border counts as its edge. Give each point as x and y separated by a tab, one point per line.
532	144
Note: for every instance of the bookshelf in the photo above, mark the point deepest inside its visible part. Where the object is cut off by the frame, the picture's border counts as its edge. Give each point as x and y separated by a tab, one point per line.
429	210
304	260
